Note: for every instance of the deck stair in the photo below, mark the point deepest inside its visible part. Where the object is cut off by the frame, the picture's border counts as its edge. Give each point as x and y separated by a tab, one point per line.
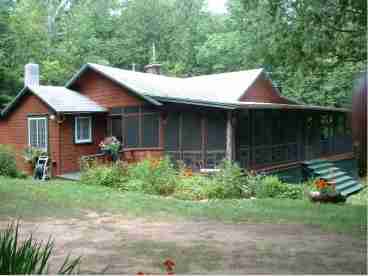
345	184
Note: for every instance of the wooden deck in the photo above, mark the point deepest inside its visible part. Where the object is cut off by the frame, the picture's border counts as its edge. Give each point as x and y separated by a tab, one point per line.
286	166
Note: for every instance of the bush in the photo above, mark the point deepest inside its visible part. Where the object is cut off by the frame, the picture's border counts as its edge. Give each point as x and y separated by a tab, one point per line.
8	165
153	176
28	257
252	181
114	175
31	155
228	181
271	186
196	187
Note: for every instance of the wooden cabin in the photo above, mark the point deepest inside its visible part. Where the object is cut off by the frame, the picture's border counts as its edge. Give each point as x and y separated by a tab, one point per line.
198	120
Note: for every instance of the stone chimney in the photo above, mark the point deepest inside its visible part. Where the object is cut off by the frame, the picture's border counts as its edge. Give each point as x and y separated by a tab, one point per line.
31	75
153	67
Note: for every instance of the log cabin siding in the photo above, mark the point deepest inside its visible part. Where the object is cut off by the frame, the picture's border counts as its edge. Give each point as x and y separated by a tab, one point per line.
262	91
71	153
104	91
14	130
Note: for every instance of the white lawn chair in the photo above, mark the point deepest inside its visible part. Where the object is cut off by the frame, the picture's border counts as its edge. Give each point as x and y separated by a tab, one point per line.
42	168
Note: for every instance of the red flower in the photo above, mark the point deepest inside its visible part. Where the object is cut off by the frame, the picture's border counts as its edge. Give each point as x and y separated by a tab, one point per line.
140	273
169	264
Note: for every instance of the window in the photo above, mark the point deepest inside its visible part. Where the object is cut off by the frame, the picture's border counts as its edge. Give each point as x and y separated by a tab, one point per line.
83	130
136	127
37	132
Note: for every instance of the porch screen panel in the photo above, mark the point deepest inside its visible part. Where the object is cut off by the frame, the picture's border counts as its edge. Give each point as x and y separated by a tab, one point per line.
132	131
216	127
191	131
277	128
116	128
259	120
172	132
150	130
244	129
289	119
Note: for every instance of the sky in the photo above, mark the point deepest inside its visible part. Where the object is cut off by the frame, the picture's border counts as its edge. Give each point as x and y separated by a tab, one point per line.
217	6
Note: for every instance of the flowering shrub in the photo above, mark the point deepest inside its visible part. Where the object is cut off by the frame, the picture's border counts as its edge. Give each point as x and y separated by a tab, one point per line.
111	145
324	187
153	176
31	154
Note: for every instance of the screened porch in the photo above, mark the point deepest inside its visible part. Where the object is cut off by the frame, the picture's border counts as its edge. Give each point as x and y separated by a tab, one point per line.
255	138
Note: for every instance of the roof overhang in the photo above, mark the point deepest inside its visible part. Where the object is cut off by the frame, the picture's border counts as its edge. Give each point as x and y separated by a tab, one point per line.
255	105
27	90
88	66
197	103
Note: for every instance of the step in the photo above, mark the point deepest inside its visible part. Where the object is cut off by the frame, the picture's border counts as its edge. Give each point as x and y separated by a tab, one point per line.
340	180
320	166
351	190
332	176
314	162
345	185
326	171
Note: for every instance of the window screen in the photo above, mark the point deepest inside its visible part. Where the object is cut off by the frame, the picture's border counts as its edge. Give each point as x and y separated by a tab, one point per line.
216	126
116	128
150	130
132	131
191	131
37	133
244	128
259	136
172	131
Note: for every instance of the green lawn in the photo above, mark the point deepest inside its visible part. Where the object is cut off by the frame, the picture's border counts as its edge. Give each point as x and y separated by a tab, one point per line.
31	200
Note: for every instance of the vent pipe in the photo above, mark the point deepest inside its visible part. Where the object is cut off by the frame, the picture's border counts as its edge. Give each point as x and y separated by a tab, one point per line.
31	74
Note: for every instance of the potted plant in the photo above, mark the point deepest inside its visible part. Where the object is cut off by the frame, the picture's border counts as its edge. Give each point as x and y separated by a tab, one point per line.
111	147
326	192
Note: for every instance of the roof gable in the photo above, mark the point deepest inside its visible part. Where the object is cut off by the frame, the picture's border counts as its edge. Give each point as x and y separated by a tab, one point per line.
225	88
59	99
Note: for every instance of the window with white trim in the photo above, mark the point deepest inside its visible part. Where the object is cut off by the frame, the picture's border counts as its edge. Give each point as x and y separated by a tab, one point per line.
37	132
83	129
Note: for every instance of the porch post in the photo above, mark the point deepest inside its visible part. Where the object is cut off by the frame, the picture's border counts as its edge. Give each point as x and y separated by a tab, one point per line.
229	137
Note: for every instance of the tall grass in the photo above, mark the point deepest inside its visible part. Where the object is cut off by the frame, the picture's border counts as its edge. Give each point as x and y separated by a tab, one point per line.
29	256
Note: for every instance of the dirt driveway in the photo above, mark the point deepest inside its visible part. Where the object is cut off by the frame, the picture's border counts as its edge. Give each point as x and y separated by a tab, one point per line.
114	244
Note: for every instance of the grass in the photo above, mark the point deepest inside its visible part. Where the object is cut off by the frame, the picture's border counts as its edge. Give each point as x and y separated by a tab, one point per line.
27	199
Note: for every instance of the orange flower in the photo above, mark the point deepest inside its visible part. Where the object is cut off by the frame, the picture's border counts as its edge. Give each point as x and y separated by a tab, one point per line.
321	184
187	172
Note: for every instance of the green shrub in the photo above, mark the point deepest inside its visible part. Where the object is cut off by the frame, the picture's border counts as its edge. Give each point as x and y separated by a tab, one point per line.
271	186
8	165
153	176
228	181
31	154
28	257
249	186
114	175
196	187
